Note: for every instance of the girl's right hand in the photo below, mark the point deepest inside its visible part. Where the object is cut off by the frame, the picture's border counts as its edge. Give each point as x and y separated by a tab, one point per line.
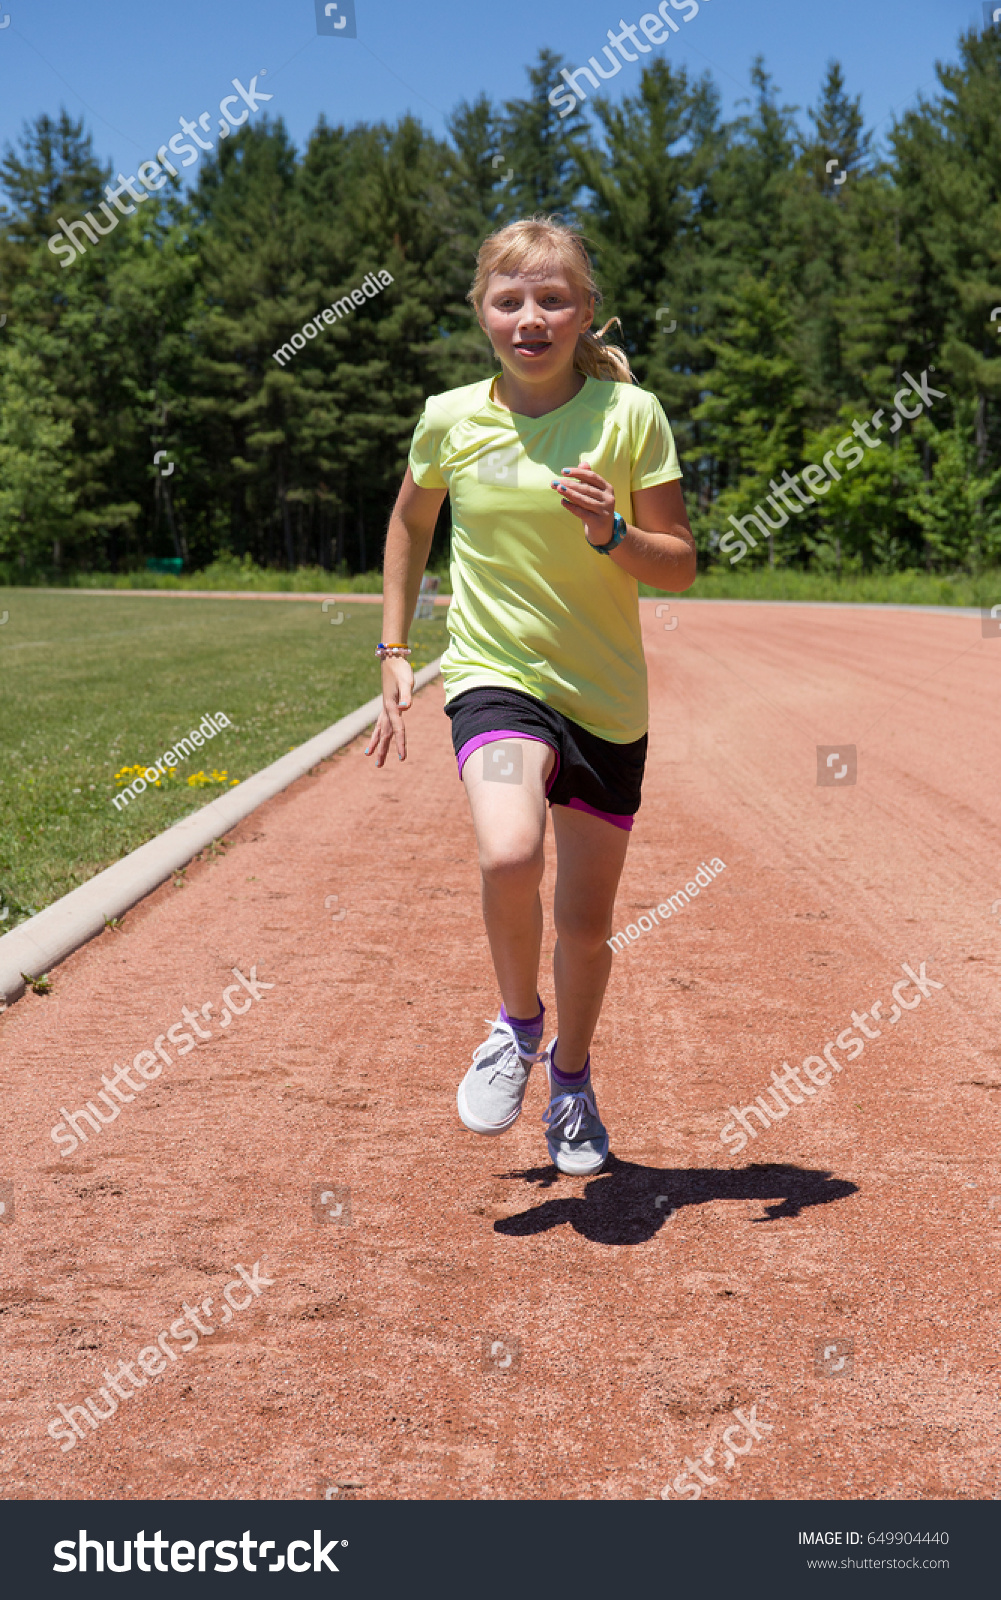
397	697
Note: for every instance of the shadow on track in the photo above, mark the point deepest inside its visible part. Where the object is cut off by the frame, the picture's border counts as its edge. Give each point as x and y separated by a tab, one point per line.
619	1206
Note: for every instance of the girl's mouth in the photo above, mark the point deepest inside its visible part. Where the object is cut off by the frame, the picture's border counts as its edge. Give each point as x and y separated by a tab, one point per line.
533	347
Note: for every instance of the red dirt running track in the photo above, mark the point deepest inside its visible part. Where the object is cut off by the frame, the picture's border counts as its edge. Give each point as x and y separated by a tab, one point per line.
632	1314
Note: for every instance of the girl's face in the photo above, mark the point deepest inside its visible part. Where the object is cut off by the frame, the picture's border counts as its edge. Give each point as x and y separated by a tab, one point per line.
533	322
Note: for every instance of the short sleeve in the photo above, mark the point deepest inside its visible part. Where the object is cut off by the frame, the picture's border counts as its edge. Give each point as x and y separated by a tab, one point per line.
654	455
425	451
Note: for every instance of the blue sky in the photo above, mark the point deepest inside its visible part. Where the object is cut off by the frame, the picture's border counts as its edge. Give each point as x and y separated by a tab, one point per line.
132	67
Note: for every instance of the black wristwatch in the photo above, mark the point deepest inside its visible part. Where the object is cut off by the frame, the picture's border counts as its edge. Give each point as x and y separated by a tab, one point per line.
618	534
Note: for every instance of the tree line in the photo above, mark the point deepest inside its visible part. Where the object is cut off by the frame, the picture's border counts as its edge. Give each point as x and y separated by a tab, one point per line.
776	282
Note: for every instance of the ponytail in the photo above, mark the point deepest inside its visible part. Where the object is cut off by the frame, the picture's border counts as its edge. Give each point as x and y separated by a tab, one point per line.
596	359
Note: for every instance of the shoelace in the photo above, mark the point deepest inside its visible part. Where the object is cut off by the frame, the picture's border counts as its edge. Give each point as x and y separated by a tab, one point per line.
569	1109
502	1068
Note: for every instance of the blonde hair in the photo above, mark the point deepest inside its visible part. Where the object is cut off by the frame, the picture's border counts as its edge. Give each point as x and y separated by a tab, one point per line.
532	245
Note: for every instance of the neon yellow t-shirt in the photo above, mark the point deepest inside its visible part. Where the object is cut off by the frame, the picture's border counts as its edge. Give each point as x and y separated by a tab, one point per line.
533	606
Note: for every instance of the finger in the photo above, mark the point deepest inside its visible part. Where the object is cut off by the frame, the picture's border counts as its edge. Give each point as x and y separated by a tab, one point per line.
584	474
592	492
383	737
595	505
575	511
377	742
587	496
399	734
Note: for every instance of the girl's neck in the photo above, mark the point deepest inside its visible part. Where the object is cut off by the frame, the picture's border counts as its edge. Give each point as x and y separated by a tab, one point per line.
535	400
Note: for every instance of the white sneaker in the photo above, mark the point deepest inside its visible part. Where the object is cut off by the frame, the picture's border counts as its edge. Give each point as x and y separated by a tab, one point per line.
491	1094
576	1136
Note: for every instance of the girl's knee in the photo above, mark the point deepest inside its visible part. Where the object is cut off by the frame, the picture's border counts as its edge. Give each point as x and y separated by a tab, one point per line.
512	864
586	929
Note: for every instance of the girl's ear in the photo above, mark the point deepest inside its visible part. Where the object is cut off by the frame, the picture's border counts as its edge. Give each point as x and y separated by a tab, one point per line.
588	319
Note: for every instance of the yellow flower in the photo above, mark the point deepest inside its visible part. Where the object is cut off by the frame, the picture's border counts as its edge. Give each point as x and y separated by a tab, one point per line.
127	774
196	780
201	780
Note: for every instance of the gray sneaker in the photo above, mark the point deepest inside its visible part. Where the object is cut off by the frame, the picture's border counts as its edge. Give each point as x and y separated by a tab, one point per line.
576	1136
490	1095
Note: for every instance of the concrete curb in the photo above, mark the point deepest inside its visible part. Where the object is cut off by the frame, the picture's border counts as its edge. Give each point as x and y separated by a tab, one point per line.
44	940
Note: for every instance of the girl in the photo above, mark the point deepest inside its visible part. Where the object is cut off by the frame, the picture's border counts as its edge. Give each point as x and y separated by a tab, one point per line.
564	486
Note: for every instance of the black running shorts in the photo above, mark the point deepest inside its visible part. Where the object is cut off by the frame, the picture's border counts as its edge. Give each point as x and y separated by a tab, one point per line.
590	774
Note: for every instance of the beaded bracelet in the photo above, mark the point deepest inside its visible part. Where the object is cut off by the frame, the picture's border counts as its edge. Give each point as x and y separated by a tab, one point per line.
390	650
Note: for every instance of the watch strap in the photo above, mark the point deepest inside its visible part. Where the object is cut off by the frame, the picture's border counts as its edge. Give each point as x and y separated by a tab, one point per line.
618	534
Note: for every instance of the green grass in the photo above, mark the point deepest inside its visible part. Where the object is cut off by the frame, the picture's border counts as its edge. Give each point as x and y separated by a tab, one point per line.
228	573
758	583
888	588
93	683
721	583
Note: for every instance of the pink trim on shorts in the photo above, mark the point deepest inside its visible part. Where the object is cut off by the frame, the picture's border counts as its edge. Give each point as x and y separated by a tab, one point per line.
480	739
616	818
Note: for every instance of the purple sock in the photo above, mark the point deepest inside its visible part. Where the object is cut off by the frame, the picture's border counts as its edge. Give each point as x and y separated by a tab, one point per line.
569	1077
526	1024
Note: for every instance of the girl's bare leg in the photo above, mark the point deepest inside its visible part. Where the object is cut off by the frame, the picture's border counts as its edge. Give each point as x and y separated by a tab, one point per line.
590	854
506	783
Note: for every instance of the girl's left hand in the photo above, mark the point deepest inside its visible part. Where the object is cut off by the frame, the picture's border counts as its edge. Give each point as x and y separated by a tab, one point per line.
591	498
